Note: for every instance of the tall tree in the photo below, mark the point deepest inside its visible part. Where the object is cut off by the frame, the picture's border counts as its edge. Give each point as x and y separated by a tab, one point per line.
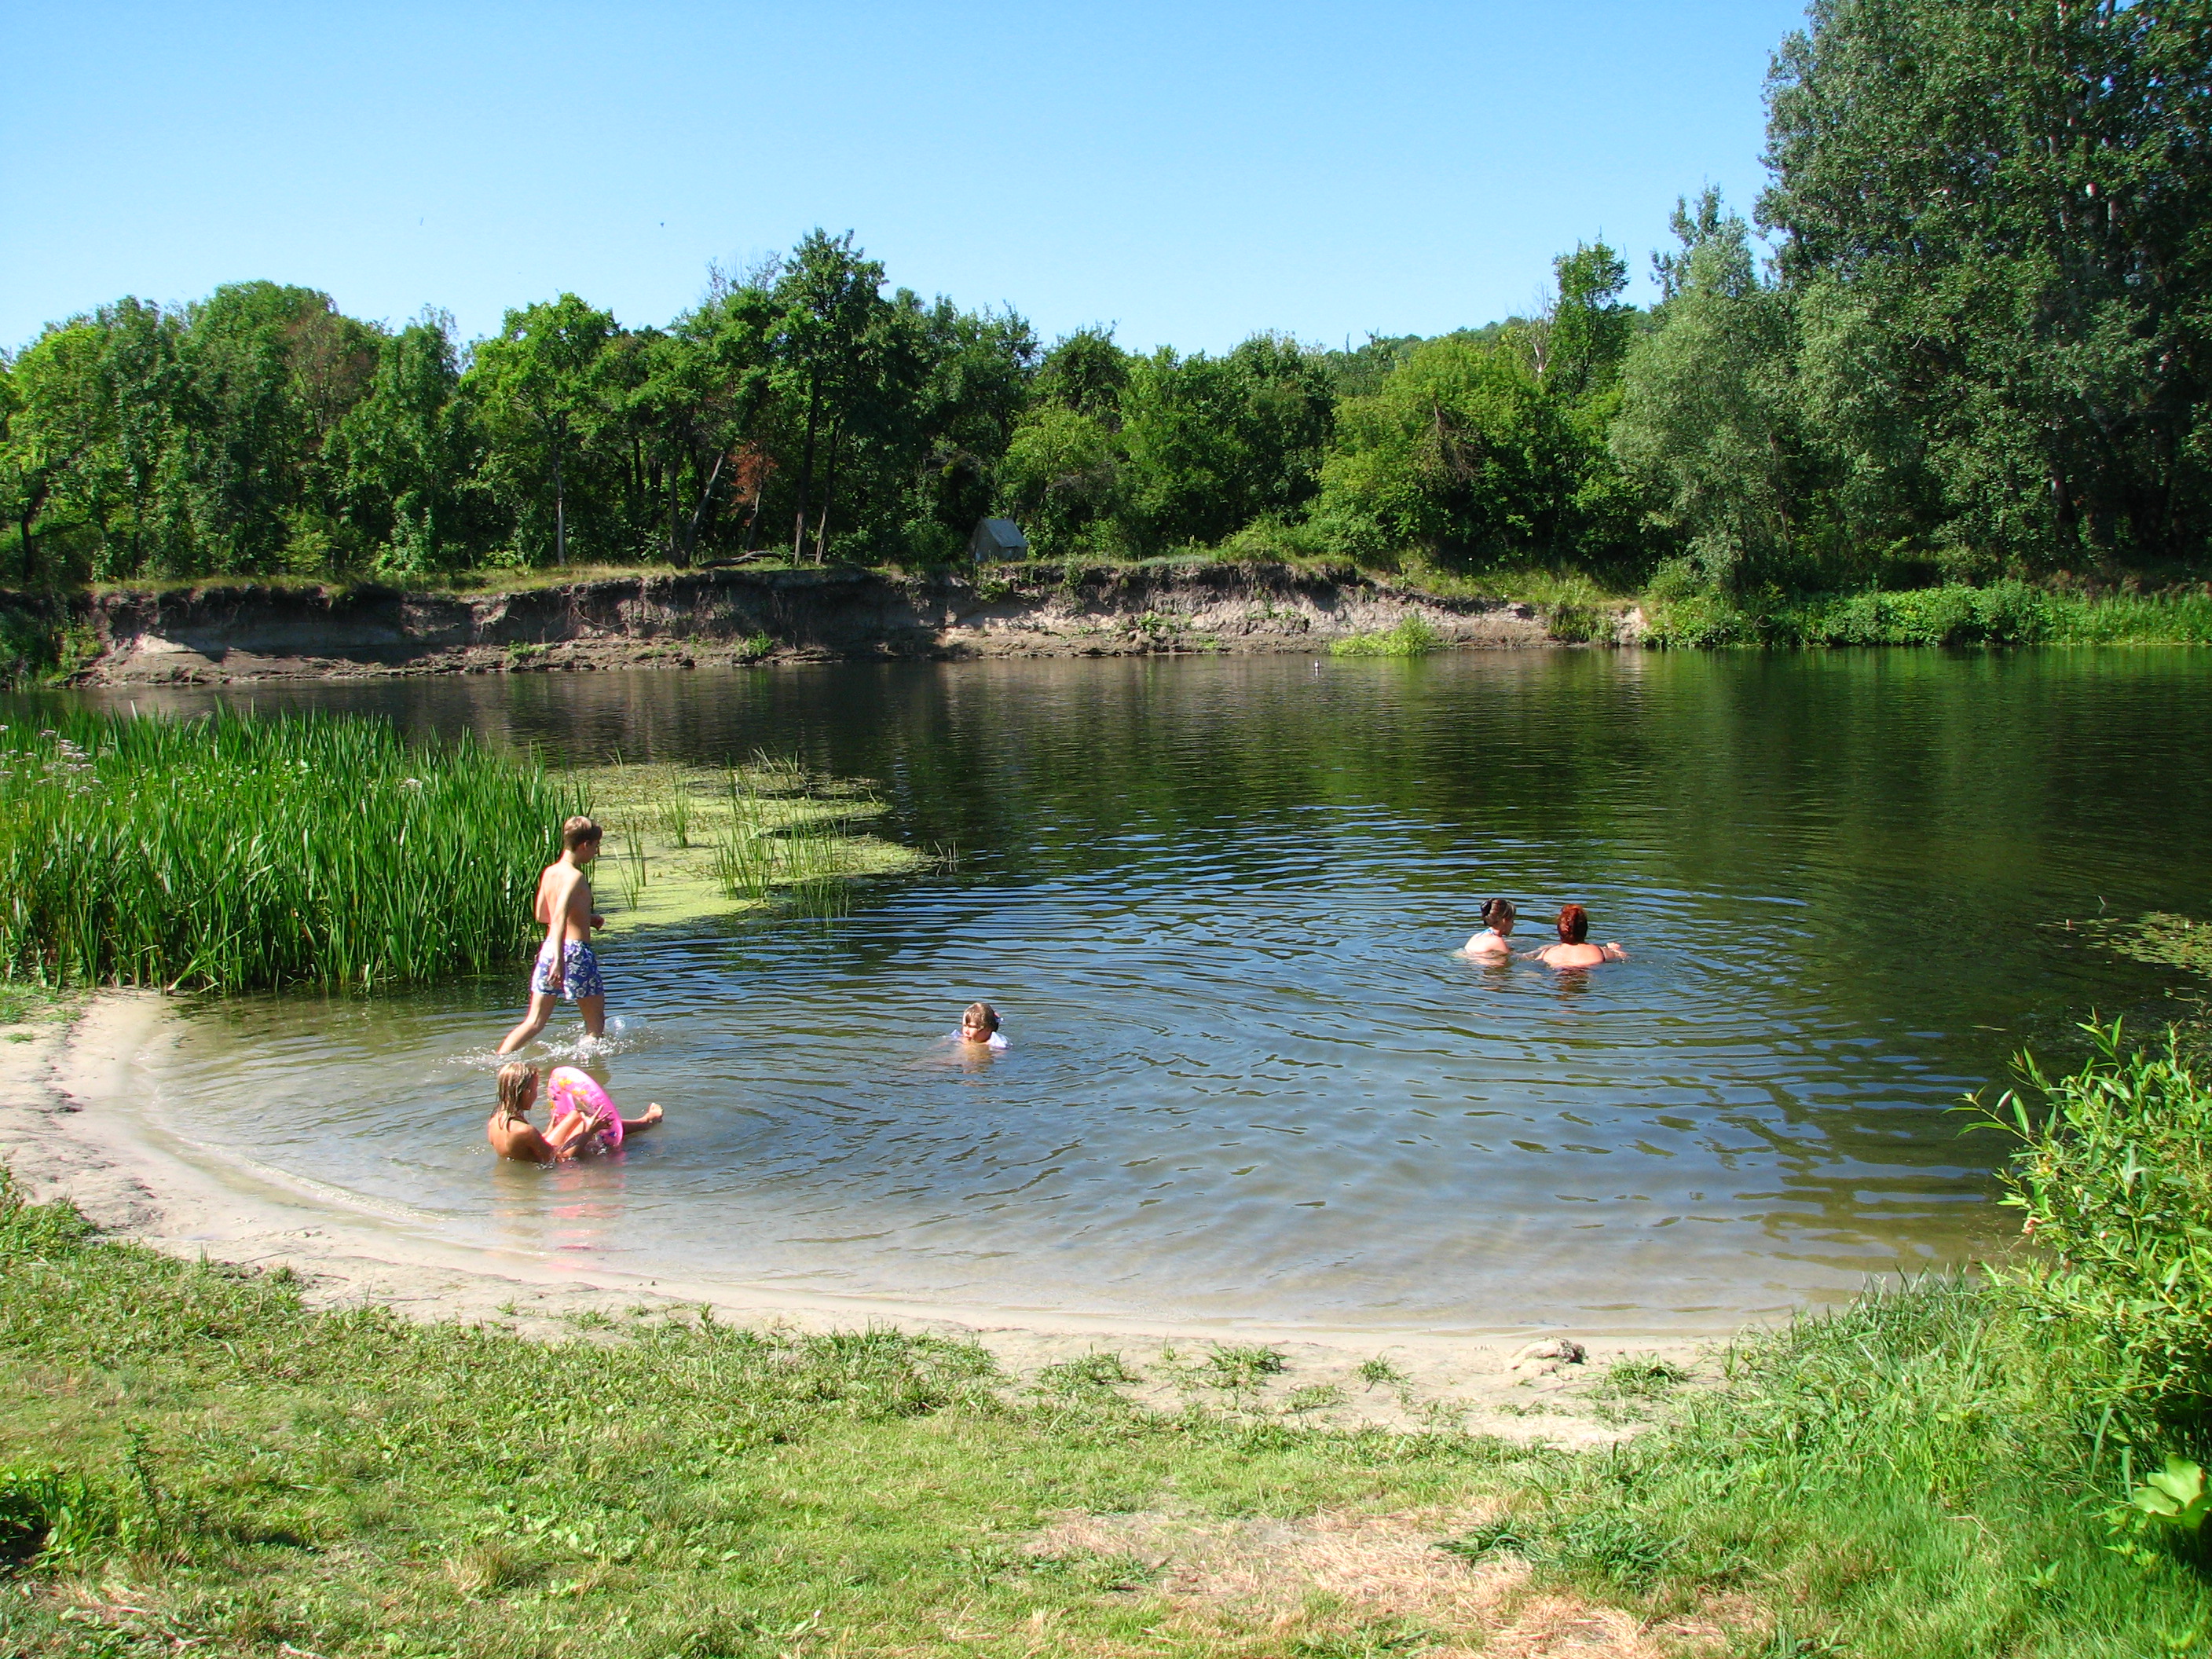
1707	428
268	371
1995	219
1214	442
828	294
545	385
410	448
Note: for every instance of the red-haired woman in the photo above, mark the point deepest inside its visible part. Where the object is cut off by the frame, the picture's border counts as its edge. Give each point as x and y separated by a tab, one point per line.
1574	948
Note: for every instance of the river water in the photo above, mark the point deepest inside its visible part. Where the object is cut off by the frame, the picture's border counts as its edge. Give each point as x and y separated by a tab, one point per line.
1248	1078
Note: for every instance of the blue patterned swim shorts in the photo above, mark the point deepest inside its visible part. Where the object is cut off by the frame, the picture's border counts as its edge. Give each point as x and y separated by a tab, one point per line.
580	972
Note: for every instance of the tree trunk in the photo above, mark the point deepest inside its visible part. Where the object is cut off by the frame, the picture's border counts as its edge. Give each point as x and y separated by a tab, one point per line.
560	506
828	490
699	512
806	474
674	527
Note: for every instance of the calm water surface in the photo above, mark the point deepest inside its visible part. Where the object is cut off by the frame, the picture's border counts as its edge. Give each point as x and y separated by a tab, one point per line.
1217	901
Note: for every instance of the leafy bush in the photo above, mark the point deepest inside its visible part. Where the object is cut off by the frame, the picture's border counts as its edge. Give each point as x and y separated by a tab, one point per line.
1681	611
2114	1171
1412	637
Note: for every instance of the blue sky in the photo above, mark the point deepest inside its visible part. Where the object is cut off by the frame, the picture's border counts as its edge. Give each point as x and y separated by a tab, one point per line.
1189	173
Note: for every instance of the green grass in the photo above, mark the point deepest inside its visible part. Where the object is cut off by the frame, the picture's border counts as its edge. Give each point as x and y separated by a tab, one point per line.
1412	636
195	1460
23	1003
262	1478
1911	1478
231	853
228	851
1917	1476
1955	614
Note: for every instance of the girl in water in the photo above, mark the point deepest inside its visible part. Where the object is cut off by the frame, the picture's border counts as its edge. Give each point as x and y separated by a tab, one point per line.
1574	948
584	1120
979	1024
1495	939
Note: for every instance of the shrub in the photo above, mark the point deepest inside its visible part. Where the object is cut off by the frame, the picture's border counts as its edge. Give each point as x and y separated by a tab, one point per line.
1412	637
2114	1171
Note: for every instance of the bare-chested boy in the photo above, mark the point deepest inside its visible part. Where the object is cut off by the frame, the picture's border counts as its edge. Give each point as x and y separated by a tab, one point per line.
566	965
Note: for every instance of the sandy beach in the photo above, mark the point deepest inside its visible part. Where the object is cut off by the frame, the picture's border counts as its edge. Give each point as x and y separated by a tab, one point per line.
74	1124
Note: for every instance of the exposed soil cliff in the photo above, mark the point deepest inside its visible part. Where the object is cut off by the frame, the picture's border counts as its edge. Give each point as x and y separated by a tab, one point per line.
246	631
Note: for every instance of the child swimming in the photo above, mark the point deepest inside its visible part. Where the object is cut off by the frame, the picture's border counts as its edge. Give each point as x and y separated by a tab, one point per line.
584	1119
979	1024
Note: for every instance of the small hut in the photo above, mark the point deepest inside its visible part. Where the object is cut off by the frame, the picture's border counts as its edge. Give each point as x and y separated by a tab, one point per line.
997	539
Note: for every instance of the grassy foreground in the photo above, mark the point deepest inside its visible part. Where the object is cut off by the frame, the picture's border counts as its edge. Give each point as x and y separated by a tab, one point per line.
194	1461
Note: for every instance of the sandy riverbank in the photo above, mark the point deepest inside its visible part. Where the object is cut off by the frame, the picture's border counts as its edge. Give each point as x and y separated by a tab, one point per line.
234	632
75	1124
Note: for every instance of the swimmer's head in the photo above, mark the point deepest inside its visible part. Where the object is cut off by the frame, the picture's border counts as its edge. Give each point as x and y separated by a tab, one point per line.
1497	914
1573	924
517	1088
978	1021
579	833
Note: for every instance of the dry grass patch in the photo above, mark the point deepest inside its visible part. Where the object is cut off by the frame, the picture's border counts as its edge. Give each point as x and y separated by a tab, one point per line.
1351	1581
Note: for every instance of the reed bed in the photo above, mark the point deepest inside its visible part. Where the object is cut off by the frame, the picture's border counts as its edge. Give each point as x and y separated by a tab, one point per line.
231	853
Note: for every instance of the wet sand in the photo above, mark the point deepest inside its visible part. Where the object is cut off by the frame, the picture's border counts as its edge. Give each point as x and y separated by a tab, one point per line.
73	1125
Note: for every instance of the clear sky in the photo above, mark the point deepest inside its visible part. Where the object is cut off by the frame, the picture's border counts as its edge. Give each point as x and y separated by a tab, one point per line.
1191	173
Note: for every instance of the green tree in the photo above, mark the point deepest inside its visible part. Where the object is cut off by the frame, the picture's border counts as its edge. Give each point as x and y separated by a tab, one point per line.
977	370
1212	443
268	372
1994	219
1060	474
45	429
410	450
829	337
1445	455
1707	422
96	453
544	383
708	386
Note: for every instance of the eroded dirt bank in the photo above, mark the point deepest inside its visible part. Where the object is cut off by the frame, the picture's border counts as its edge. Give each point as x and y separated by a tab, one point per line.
236	631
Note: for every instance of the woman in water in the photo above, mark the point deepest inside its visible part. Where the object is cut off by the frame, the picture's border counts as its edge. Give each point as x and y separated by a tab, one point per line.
1495	939
1574	948
584	1118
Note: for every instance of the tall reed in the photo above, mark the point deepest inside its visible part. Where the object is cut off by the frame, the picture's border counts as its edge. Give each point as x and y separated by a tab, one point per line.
810	860
229	852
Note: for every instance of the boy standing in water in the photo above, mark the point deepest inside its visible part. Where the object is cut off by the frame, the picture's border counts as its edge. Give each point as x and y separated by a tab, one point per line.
565	964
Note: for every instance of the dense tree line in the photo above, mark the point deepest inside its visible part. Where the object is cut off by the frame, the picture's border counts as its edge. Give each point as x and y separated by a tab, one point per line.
1980	345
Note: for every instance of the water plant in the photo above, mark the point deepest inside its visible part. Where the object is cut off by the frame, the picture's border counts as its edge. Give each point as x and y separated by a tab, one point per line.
676	808
231	852
1413	636
686	841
